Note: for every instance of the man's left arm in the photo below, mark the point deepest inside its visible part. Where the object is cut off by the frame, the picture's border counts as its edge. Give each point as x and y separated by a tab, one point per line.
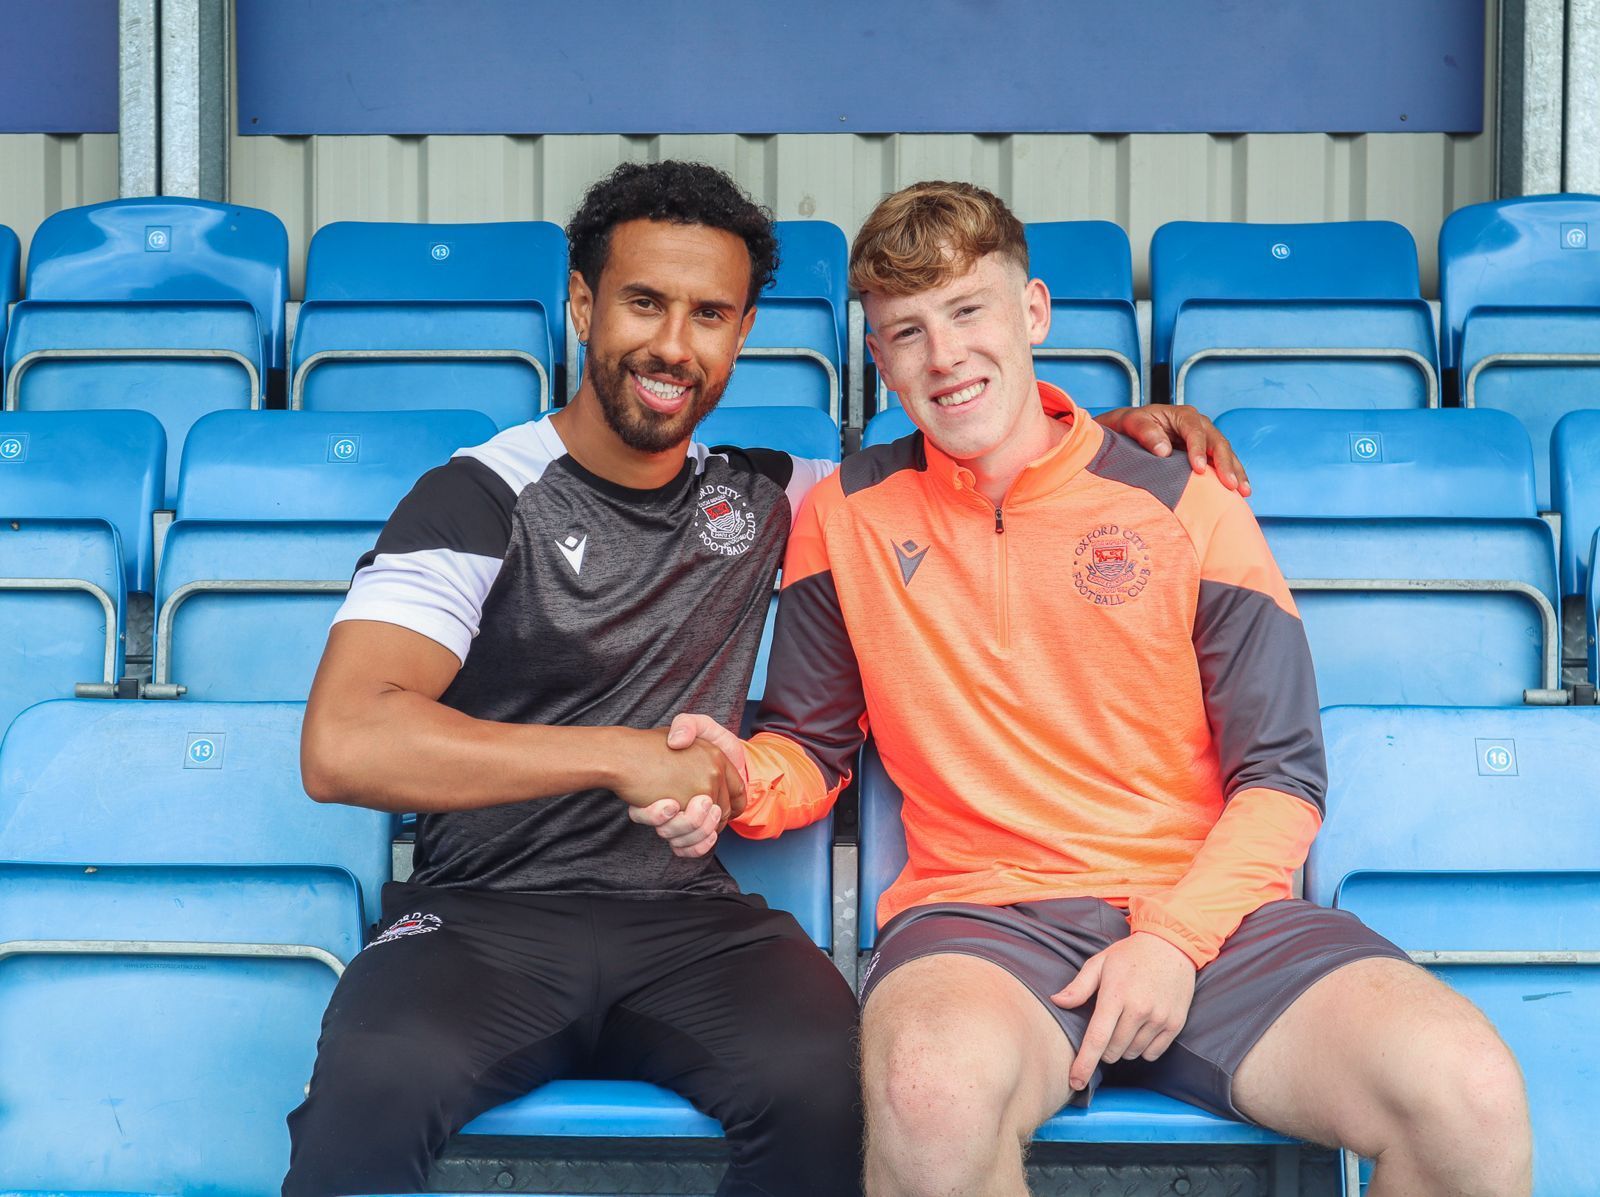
1261	702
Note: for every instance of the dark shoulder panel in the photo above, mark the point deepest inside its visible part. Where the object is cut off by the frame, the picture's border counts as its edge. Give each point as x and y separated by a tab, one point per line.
769	463
871	466
463	506
1121	460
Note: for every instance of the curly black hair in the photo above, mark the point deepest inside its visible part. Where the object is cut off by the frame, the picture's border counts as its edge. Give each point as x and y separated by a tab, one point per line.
679	193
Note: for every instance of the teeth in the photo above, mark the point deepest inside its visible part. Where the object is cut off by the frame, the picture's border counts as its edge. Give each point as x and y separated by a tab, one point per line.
965	395
663	390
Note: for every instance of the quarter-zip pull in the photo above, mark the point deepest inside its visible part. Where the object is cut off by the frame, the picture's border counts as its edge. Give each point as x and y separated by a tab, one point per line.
999	519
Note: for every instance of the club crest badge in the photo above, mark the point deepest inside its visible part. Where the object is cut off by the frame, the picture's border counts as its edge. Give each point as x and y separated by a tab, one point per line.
410	924
724	520
1111	566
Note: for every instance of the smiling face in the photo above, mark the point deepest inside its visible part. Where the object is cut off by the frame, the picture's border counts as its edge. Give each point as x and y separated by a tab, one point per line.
664	325
959	355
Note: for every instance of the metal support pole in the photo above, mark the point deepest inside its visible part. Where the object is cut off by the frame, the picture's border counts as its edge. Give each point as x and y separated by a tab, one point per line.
1533	35
194	98
138	157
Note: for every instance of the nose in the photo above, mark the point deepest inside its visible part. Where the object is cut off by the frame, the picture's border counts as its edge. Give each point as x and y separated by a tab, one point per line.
671	340
945	351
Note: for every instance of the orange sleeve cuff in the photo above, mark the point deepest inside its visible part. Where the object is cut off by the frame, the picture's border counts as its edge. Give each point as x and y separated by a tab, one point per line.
783	788
1248	860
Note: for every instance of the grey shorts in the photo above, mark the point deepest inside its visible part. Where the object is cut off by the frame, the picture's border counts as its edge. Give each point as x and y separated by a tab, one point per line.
1274	957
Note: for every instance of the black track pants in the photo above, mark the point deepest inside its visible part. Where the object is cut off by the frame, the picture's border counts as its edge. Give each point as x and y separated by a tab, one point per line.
471	998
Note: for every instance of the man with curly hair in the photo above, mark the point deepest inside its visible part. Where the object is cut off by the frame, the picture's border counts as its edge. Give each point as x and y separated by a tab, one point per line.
532	616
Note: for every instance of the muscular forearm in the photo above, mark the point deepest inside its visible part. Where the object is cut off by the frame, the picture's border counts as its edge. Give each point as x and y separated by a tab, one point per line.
402	751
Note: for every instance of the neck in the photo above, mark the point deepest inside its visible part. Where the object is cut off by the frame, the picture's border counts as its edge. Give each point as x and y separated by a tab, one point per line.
582	427
1034	435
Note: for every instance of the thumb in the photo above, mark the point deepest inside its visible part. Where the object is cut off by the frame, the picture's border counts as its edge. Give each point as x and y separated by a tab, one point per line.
1082	986
685	729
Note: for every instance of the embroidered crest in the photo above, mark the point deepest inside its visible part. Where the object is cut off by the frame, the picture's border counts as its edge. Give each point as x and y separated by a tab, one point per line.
410	924
1111	566
725	522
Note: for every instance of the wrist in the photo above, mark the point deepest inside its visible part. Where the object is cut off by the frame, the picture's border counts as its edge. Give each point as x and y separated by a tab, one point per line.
614	756
1179	950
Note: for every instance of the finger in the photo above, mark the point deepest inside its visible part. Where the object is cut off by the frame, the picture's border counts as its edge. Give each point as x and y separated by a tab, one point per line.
1142	1041
685	729
1198	444
693	836
1082	986
1160	1044
1095	1038
697	849
656	814
1128	1027
1148	429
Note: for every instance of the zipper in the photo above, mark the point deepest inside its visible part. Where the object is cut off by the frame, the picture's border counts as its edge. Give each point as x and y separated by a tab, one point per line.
1003	598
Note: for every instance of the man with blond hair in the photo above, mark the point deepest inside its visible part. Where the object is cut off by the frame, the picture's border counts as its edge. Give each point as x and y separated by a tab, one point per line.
1086	674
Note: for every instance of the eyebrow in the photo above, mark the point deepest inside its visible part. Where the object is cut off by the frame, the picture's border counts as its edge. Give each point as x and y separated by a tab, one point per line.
956	301
649	292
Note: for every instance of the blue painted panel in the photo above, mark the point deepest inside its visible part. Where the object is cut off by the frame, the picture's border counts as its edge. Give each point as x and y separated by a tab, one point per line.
511	66
60	71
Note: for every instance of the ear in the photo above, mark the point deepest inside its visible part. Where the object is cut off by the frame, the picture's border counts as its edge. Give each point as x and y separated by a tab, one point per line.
580	304
1036	301
875	347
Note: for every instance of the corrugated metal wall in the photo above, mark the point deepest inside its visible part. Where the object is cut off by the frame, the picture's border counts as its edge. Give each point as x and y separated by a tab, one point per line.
41	174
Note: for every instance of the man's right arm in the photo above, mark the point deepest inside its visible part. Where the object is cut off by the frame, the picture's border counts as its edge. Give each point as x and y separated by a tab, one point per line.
375	732
376	735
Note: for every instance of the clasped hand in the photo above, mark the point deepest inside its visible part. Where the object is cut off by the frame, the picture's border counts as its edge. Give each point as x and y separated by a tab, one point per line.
691	826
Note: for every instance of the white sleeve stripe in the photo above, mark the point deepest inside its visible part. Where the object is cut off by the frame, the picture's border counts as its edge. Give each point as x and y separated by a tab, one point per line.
808	471
434	592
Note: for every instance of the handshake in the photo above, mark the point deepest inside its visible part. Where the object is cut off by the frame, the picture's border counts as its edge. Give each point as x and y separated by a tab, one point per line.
700	768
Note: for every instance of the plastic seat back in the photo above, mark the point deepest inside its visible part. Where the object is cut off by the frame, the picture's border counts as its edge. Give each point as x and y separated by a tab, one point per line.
1463	832
166	249
504	261
157	783
1575	484
1314	464
1092	350
10	275
797	431
1532	251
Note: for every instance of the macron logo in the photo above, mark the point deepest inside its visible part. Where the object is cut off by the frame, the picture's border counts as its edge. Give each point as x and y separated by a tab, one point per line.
910	554
572	549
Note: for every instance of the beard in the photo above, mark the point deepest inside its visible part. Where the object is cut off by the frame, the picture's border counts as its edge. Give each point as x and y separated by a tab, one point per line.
638	427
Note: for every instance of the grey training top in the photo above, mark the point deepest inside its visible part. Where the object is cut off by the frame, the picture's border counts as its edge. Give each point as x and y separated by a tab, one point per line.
572	600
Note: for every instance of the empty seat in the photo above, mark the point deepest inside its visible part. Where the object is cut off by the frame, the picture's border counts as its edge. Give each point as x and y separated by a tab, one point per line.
10	275
171	306
1467	837
426	316
1291	315
1117	1115
274	509
1519	288
794	356
77	494
1575	490
1092	348
793	873
175	912
1412	546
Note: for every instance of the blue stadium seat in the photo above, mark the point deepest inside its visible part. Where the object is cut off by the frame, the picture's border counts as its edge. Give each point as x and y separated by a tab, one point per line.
10	275
461	316
77	494
1291	315
1092	349
1411	543
274	509
1591	612
1575	489
1467	837
793	873
1117	1115
794	356
175	912
1519	287
172	306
